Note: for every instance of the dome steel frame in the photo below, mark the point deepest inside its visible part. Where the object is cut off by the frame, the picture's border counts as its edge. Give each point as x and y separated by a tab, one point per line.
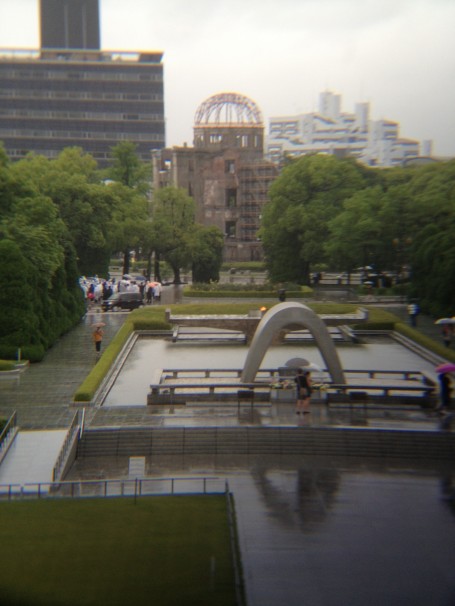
228	109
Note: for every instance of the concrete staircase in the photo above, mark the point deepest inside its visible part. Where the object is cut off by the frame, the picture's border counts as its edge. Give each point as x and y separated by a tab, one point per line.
340	442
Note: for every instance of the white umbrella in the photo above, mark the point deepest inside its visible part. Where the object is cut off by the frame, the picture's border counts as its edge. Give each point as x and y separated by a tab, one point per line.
297	363
445	321
303	364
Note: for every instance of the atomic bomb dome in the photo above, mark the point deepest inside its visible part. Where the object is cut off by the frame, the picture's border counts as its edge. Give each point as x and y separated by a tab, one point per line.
225	172
228	109
229	120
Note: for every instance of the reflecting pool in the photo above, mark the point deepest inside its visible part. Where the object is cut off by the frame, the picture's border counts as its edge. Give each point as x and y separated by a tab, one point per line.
149	355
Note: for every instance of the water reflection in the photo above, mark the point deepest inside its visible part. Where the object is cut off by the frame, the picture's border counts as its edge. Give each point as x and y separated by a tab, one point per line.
148	354
306	495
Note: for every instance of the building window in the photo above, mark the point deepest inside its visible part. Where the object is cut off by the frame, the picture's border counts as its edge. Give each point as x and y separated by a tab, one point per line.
230	229
231	198
230	166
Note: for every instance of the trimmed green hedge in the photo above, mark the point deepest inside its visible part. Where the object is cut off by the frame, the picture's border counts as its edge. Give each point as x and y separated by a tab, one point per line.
244	266
420	339
88	388
32	353
6	365
378	319
137	320
240	291
219	294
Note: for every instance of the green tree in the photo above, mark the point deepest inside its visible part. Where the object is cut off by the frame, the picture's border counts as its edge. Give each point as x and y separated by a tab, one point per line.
19	325
129	221
131	213
39	249
207	253
73	184
354	232
307	195
433	269
173	223
128	169
432	250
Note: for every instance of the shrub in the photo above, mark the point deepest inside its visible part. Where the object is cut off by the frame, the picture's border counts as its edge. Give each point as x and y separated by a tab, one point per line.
238	291
244	266
6	365
32	353
151	324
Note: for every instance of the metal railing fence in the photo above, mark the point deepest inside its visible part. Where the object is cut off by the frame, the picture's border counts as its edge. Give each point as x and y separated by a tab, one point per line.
125	487
66	445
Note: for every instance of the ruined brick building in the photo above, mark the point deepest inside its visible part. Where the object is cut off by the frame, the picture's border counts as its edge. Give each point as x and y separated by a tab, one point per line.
225	172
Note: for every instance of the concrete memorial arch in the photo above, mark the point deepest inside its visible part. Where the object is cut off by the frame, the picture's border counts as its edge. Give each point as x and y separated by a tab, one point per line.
292	316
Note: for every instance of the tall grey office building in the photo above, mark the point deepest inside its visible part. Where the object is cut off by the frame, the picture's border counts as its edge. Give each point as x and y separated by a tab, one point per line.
71	93
70	24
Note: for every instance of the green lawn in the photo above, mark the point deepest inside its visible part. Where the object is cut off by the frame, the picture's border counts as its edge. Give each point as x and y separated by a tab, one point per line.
158	551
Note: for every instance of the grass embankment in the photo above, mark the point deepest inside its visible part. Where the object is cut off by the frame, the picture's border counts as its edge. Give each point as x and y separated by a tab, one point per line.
424	341
159	550
7	365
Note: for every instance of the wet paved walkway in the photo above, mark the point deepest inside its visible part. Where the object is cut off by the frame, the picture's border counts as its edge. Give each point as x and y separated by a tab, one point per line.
22	466
42	394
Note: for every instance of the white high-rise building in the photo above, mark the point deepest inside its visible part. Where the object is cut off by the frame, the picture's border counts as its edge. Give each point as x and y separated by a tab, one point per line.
331	131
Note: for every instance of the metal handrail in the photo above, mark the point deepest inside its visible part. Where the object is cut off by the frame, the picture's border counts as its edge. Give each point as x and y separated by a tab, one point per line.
82	424
65	446
11	424
125	487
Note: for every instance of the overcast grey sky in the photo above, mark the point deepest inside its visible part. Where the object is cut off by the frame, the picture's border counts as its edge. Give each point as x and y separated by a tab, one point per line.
397	54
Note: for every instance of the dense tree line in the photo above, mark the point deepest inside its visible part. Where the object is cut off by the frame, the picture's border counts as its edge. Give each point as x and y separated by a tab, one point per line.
325	211
40	297
63	218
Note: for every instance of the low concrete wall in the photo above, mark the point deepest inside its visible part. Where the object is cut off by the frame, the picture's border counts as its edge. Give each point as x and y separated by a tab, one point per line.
339	442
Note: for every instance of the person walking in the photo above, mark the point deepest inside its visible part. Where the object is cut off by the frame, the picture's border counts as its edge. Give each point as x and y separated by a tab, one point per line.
303	384
447	334
445	387
413	312
97	336
157	292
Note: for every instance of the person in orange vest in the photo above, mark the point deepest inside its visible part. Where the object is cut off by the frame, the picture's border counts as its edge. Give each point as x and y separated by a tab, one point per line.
97	338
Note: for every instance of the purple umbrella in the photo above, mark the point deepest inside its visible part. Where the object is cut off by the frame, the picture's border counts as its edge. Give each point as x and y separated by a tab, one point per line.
447	367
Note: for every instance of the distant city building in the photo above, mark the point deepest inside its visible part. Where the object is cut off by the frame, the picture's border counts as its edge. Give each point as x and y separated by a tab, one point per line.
70	24
71	93
225	172
331	131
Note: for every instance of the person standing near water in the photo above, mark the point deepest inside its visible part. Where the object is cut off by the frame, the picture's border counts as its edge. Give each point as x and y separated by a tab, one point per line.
445	388
447	334
303	383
